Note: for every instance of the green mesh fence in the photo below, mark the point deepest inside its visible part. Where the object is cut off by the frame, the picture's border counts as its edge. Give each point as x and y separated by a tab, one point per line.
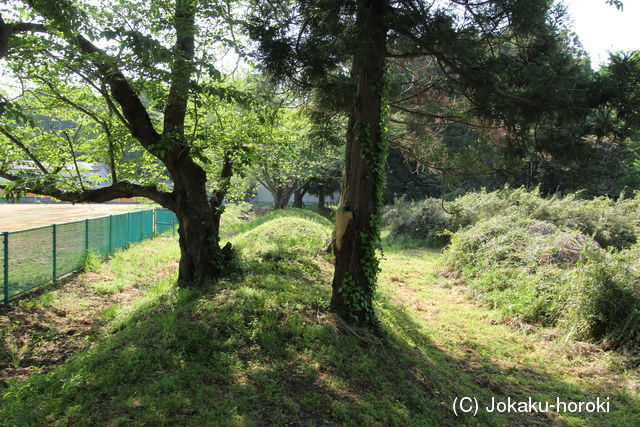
99	236
70	246
30	258
30	255
165	220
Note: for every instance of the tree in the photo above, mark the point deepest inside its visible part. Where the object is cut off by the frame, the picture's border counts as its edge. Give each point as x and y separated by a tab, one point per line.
147	67
506	58
290	155
327	130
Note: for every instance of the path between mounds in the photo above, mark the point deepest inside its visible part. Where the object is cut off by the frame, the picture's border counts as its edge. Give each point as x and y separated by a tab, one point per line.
503	356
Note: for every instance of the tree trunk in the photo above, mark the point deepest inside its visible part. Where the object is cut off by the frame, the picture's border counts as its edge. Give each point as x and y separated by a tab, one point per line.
357	221
321	198
201	258
297	199
281	199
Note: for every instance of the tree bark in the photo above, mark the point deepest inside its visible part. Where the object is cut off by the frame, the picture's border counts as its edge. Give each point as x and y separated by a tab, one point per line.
357	230
281	197
297	199
321	198
201	257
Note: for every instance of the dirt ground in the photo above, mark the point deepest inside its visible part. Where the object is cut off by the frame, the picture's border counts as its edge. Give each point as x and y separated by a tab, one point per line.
43	332
20	216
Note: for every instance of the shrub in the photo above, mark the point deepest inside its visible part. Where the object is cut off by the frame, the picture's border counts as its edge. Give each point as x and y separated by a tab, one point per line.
607	304
423	220
544	274
518	264
611	223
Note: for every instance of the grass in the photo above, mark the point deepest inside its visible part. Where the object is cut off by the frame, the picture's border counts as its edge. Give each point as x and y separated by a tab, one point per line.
261	347
31	250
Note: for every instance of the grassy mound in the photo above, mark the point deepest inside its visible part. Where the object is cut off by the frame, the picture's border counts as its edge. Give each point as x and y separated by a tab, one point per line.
611	223
282	235
543	274
261	349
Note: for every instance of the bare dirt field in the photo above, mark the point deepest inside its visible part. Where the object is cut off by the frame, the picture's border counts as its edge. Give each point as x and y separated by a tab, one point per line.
20	216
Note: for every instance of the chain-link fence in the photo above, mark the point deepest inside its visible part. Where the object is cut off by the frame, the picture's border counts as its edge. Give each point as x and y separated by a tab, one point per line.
37	256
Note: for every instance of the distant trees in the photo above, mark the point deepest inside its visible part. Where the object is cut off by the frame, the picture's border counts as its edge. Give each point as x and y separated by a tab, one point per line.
585	145
289	160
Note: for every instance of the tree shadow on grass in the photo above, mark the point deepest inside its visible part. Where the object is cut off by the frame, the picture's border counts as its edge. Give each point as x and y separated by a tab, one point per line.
259	348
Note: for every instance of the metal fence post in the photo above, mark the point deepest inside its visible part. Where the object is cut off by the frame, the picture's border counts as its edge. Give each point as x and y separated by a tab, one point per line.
126	240
110	232
6	266
54	251
86	236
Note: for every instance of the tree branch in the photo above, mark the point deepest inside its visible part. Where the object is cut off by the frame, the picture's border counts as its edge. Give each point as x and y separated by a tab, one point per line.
138	120
225	180
24	148
96	118
121	189
75	160
182	67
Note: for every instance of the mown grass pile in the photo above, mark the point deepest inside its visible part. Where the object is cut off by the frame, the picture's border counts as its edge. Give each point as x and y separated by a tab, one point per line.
612	223
558	261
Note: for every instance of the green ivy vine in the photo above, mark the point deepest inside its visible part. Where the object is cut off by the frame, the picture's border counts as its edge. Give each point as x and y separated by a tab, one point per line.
359	299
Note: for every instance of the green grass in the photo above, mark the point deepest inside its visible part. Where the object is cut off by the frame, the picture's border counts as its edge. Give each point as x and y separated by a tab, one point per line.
261	348
31	250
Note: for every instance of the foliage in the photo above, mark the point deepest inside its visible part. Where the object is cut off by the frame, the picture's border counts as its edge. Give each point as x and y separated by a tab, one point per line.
517	264
90	261
607	304
611	223
424	220
288	159
539	273
405	178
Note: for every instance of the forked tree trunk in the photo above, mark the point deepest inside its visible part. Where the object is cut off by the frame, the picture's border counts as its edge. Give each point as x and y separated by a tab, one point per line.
201	258
357	229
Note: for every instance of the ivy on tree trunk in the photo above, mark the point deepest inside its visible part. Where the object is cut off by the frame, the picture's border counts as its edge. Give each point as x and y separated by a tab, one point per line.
358	217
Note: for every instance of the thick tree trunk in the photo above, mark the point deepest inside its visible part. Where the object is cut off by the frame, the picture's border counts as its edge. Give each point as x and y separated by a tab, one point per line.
297	199
281	199
357	229
201	258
